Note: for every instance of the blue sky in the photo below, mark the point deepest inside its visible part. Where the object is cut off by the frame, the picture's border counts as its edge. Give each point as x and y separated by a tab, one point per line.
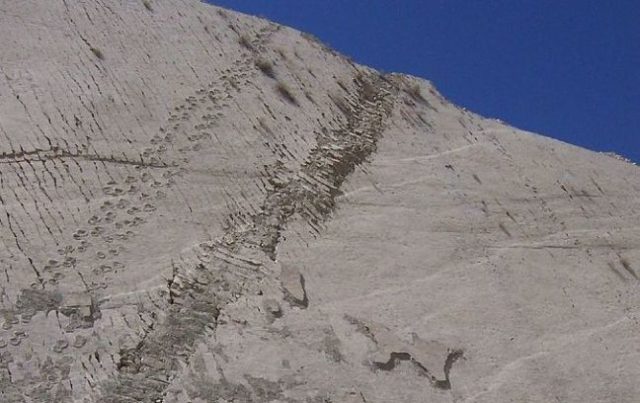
567	69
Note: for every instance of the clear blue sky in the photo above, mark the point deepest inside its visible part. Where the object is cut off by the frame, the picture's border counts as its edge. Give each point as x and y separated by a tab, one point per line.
569	69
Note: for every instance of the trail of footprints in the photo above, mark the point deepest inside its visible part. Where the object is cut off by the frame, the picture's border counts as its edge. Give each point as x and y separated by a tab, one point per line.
127	206
234	265
130	201
93	251
196	119
100	242
199	115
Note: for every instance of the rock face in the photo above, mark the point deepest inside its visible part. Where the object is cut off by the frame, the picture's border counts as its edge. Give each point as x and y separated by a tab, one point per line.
200	206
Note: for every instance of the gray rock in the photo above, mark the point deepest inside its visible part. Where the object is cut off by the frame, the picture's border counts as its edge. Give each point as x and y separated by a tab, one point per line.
202	206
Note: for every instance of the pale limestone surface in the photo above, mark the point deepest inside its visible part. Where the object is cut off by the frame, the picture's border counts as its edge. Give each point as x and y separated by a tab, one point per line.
208	207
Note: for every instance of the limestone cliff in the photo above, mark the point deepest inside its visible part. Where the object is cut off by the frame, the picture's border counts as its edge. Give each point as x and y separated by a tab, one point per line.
201	206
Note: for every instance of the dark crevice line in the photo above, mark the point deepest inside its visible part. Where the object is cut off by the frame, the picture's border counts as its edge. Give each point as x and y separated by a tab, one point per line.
56	153
397	357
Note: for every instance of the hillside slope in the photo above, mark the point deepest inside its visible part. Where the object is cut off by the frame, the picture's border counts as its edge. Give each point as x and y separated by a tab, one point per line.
201	206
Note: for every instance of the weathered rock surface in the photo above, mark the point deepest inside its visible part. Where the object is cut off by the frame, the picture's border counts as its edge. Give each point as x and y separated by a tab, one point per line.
200	206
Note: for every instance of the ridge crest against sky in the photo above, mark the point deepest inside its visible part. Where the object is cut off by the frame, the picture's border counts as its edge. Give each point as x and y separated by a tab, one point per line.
568	70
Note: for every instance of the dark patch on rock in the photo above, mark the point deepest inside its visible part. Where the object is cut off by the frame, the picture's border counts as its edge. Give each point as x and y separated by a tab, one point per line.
265	390
38	300
331	347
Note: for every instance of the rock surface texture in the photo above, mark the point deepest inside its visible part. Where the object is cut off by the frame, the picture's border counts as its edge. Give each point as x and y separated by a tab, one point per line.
201	206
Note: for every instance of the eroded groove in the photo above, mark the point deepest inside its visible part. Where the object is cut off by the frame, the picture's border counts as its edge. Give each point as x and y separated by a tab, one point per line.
57	153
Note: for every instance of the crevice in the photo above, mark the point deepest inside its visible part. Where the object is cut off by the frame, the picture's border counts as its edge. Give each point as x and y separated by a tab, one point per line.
452	357
396	357
57	153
